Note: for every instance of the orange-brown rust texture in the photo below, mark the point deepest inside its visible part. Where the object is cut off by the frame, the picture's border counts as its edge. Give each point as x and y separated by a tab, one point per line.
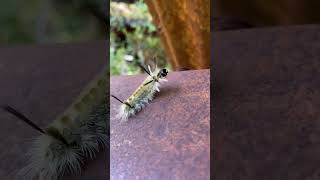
184	28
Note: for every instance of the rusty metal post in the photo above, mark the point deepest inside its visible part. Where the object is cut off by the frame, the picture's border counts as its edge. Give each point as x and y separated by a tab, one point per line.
184	28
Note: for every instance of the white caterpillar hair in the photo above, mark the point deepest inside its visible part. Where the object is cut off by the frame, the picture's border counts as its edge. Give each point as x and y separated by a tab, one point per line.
51	158
75	136
143	95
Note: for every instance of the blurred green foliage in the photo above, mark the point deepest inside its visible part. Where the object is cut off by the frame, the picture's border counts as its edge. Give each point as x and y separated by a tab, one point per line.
133	36
133	39
50	21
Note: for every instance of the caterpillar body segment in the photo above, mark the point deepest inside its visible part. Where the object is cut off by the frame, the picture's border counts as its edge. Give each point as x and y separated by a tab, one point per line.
76	135
143	94
91	96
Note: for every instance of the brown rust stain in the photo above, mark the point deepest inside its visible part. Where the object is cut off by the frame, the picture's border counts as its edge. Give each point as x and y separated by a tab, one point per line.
169	138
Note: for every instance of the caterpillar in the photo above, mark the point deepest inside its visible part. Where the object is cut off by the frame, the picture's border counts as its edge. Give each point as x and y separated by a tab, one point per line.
143	94
74	136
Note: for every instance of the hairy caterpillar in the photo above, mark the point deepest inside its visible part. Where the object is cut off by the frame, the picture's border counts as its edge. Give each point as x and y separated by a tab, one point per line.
143	94
76	135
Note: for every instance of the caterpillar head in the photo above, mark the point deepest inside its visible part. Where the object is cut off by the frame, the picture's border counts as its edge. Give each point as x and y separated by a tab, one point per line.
162	73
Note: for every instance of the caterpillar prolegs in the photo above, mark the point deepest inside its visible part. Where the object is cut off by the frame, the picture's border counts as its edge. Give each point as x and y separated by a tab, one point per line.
76	135
143	94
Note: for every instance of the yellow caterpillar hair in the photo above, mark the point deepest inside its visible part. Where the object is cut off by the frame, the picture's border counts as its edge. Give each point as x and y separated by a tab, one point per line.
73	137
144	93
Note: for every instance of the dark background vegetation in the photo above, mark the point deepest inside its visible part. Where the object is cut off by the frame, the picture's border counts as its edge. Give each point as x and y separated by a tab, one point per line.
134	38
63	21
52	21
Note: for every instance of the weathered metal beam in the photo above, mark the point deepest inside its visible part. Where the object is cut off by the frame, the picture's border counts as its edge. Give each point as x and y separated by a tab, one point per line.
169	139
184	30
266	103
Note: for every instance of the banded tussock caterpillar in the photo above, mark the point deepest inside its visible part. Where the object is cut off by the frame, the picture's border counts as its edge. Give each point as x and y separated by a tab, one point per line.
76	135
143	94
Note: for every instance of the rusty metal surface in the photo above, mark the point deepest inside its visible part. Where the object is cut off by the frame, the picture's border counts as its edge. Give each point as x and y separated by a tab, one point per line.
189	47
266	104
41	81
169	139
